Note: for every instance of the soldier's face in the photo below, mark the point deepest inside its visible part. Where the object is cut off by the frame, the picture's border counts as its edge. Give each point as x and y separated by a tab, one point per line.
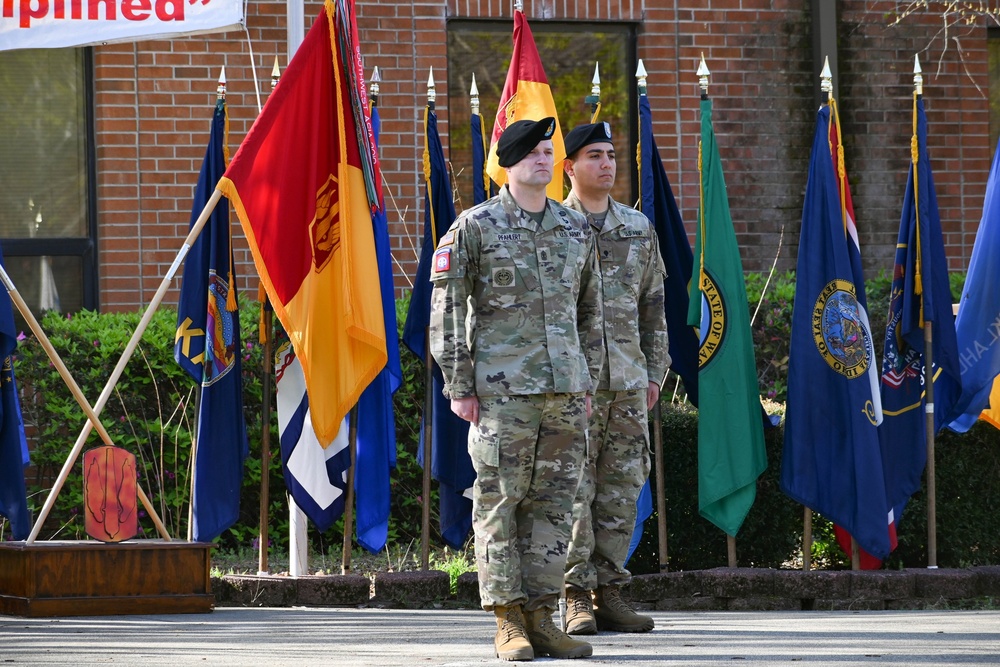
593	169
535	168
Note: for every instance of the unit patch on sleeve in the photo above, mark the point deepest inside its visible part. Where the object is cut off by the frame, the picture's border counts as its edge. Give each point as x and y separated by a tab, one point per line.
442	260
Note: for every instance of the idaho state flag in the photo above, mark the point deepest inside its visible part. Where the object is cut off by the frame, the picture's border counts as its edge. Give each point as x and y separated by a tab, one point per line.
831	461
920	294
526	96
731	453
298	186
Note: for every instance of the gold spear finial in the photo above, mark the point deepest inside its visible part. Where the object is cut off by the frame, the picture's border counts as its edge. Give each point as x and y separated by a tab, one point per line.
221	90
431	91
703	75
918	79
474	96
373	87
640	75
826	79
275	73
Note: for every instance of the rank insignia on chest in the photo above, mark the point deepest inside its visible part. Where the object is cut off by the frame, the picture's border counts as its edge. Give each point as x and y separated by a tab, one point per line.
442	260
503	277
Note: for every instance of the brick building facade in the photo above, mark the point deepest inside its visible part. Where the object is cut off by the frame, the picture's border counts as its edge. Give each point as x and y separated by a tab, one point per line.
153	102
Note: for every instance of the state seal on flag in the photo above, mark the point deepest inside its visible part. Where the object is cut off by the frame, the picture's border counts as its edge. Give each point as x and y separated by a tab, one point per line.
713	320
840	335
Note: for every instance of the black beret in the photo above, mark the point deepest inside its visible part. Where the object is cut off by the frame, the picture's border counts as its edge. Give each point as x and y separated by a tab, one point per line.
584	135
520	137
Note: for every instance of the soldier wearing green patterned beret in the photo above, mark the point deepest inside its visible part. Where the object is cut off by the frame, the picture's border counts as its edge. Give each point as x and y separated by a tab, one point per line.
516	331
635	338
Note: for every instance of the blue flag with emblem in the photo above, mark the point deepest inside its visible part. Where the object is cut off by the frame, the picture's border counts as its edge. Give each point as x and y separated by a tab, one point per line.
832	462
13	445
920	294
207	346
450	462
978	321
376	447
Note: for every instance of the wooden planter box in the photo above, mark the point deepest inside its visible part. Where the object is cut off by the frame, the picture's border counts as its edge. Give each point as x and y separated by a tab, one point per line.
90	578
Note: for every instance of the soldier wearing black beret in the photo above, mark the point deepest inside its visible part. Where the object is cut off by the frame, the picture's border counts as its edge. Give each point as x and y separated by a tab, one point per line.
516	330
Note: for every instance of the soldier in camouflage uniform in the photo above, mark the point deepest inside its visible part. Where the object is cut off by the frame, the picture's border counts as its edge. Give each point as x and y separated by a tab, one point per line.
635	337
516	330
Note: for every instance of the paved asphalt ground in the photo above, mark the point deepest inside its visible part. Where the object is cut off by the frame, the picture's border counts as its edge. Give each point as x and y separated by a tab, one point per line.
390	637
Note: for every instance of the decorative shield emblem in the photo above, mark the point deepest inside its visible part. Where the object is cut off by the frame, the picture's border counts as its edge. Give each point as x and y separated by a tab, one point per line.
109	495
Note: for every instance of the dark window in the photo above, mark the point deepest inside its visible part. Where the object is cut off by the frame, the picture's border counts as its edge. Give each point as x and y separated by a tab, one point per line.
569	52
47	219
993	46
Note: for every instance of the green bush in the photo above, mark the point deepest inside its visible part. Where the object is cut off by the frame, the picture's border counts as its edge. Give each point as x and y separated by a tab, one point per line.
151	413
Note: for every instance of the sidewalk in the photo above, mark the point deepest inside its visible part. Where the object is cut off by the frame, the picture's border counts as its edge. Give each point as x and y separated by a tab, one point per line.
349	637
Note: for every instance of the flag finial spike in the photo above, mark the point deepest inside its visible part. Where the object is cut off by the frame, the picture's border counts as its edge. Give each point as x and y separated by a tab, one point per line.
431	90
474	96
918	79
703	75
518	5
221	89
373	86
826	78
597	74
275	73
594	99
640	75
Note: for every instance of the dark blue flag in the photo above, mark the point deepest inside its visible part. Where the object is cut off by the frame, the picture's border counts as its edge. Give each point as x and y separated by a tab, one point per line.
832	462
920	294
208	346
658	204
450	462
376	448
13	446
978	321
480	182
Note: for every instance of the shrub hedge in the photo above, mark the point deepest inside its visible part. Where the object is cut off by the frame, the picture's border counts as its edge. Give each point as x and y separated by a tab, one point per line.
151	413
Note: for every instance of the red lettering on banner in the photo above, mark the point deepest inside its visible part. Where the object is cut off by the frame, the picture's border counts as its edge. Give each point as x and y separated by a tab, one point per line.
136	10
131	10
109	9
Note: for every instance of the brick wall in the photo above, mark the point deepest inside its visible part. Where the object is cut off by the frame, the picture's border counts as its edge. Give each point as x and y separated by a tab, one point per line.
154	101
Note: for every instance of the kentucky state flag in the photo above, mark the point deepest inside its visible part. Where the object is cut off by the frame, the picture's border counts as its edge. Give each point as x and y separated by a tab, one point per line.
208	346
920	295
832	462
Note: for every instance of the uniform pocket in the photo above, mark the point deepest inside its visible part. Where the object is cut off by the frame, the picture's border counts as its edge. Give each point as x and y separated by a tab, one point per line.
484	447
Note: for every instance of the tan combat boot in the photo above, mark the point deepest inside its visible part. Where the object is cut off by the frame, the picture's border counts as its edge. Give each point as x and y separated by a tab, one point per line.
549	640
579	612
612	613
511	641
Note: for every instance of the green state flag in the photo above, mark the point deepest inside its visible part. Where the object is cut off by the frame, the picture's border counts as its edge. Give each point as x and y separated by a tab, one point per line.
730	433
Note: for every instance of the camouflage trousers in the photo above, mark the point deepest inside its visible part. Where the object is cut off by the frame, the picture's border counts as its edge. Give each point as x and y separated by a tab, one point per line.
604	511
528	452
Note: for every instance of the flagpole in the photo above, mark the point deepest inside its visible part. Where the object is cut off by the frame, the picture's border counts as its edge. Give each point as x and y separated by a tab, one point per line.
918	91
594	99
266	338
425	510
102	400
661	497
352	445
74	388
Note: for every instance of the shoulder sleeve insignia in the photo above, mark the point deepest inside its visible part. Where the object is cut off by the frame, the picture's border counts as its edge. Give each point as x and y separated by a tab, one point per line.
447	239
442	260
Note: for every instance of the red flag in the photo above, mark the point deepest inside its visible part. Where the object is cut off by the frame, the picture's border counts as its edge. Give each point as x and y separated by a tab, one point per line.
298	187
526	96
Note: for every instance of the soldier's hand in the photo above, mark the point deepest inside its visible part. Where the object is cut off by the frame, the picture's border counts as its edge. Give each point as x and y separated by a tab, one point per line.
652	395
466	408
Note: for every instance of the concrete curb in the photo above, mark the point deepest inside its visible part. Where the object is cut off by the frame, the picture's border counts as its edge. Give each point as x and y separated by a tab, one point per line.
720	589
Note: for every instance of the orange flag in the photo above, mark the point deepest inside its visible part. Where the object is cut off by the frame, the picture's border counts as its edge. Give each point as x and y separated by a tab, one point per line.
991	414
298	187
526	96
